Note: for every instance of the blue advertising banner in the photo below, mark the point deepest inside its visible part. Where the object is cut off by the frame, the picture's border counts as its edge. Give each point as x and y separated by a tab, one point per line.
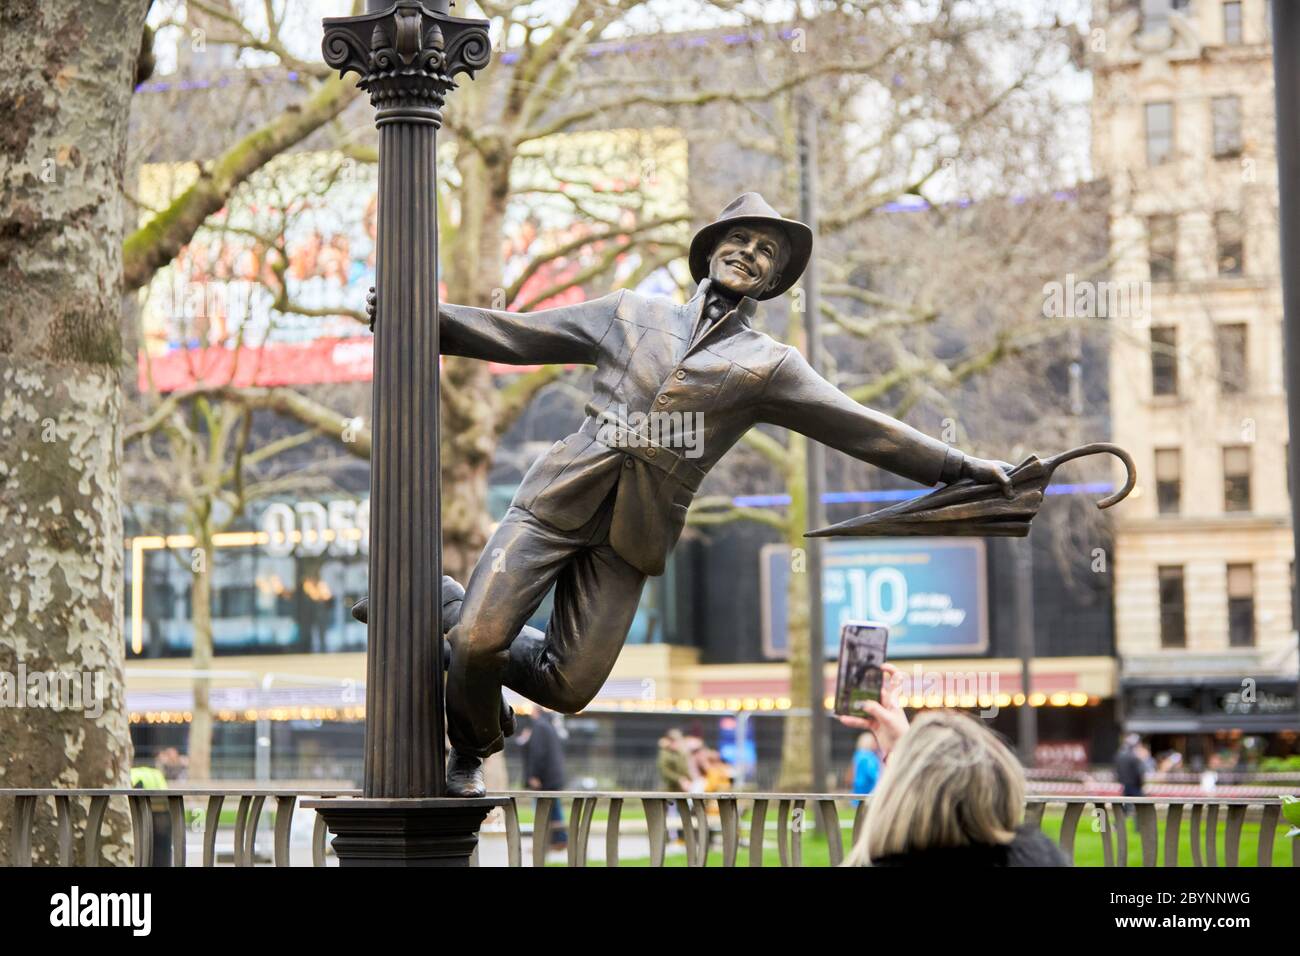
931	592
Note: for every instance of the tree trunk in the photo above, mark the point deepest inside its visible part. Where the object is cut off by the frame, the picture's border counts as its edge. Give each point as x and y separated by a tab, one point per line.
796	742
65	93
471	405
200	737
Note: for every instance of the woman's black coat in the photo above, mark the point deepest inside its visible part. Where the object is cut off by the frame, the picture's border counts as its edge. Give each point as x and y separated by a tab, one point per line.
1029	848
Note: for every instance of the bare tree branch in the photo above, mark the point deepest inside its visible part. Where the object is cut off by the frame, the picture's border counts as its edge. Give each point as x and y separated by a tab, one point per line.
158	241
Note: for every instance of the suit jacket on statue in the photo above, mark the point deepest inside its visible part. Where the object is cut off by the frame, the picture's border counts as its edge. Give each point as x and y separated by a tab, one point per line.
717	389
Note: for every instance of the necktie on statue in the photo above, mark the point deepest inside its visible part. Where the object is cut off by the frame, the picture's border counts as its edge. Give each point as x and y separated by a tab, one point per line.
715	309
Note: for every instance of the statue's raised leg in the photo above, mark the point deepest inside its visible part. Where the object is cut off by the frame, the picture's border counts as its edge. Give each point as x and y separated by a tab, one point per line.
453	596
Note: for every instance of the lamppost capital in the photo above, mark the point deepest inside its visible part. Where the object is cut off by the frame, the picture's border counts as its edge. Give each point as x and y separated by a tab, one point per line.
407	56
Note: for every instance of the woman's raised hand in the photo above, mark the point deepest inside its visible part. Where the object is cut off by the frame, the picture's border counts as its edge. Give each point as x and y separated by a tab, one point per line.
886	719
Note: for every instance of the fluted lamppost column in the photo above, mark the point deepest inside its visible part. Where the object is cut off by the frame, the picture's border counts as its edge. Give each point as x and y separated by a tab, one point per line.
406	54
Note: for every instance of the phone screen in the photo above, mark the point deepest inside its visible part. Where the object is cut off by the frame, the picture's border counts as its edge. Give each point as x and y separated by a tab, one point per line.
860	677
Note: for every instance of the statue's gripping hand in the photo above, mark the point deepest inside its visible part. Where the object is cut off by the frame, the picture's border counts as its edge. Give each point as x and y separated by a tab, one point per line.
986	472
372	304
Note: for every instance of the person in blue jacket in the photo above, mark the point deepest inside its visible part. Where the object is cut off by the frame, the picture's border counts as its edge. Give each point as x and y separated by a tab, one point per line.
866	764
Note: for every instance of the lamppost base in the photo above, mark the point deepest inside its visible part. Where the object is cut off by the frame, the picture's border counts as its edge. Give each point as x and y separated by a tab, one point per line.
432	831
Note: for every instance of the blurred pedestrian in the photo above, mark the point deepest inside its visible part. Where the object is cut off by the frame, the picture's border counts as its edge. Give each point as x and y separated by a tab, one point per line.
717	772
152	778
675	774
1169	762
697	761
1130	767
674	766
864	771
544	769
173	764
1131	770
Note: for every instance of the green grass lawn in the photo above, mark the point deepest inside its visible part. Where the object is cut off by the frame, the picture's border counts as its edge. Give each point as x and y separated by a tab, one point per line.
632	810
1088	849
194	818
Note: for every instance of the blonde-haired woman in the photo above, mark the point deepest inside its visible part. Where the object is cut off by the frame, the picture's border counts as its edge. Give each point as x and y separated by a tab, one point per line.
951	794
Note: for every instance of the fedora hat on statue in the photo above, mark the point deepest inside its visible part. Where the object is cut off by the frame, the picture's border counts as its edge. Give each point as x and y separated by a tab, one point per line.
751	208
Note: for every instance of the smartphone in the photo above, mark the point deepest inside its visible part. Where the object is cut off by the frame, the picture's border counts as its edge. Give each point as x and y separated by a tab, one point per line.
860	677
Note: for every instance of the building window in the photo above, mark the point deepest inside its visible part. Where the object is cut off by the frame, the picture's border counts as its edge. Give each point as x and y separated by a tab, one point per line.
1164	360
1169	480
1230	340
1230	239
1173	619
1155	13
1160	133
1162	247
1241	605
1236	478
1226	114
1232	24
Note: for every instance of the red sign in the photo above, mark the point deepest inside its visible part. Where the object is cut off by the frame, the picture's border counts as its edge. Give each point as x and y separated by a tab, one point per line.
281	363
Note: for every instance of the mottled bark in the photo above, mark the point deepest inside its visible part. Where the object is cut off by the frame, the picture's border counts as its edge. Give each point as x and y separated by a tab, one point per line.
64	95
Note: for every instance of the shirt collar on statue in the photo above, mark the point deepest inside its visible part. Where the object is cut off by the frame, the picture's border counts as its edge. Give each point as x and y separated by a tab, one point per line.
745	308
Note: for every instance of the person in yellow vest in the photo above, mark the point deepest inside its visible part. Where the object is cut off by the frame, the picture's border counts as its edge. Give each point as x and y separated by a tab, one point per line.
151	778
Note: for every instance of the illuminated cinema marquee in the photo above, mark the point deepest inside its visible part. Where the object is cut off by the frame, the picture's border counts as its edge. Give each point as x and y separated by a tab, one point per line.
310	528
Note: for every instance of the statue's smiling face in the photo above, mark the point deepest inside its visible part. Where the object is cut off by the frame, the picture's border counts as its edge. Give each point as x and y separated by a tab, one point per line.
749	259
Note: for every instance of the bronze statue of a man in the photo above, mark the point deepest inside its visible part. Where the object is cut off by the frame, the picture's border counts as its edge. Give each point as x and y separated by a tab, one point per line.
599	512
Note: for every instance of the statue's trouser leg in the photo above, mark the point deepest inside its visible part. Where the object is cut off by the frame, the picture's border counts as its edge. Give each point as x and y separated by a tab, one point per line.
452	596
595	601
596	598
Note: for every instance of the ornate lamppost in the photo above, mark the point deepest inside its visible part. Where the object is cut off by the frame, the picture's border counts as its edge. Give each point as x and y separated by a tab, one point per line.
407	54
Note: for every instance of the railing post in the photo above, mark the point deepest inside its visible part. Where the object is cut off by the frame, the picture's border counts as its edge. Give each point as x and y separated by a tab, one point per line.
21	844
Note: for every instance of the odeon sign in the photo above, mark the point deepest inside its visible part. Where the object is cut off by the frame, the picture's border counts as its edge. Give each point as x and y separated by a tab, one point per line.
310	528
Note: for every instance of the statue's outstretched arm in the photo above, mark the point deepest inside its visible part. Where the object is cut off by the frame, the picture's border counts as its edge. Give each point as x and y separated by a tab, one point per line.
565	335
796	397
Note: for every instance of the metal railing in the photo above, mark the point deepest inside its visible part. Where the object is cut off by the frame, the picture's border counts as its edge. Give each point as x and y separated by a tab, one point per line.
727	829
141	804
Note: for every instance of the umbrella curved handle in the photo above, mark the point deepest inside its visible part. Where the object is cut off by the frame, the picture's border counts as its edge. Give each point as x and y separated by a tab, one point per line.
1100	448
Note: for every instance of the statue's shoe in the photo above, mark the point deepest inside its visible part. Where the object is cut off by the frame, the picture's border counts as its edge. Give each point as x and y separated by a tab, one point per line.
465	776
453	595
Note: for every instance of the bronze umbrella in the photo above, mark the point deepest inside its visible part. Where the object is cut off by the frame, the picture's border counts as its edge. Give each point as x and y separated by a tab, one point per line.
965	508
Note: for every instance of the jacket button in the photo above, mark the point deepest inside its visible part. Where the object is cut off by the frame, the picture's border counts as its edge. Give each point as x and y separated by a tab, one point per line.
681	374
651	452
627	462
663	399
